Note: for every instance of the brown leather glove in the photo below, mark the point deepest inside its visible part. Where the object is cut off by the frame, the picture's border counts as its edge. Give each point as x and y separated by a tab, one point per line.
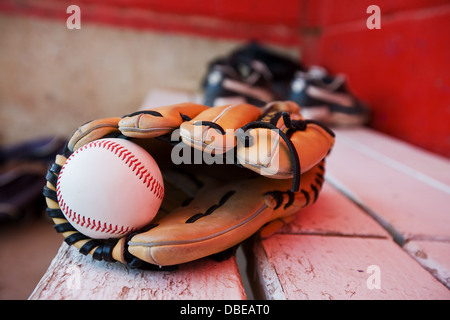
228	172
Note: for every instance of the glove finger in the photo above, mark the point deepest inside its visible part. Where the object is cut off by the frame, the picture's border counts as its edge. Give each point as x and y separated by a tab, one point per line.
158	121
220	218
279	143
91	131
213	130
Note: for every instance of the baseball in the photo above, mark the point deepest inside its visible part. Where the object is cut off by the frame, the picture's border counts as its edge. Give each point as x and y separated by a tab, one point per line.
109	188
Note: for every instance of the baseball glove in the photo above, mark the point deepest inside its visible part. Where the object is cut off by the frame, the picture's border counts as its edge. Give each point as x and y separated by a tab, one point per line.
228	172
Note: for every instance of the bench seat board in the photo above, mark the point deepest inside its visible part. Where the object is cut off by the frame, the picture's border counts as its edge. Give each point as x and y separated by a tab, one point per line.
325	252
405	202
398	153
74	276
433	256
334	214
340	268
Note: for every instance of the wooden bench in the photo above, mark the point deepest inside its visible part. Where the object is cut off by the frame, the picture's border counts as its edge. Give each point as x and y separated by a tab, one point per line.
379	230
74	276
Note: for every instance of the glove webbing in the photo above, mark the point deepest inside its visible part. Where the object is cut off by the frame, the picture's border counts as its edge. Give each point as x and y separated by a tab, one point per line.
292	126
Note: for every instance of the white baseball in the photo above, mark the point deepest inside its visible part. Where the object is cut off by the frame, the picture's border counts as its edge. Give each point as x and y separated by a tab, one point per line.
109	188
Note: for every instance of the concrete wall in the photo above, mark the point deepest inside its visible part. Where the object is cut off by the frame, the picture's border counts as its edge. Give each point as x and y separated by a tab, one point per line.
54	79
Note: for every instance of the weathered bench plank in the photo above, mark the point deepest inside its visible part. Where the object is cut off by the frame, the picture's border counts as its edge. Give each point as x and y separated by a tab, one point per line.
397	196
315	257
334	214
398	154
433	256
76	277
405	188
327	267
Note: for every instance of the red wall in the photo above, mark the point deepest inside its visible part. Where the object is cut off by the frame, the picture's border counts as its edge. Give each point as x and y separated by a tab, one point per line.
401	70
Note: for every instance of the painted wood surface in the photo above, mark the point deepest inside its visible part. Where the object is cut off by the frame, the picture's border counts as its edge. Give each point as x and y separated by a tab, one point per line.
414	160
433	256
73	276
411	203
315	267
383	208
334	214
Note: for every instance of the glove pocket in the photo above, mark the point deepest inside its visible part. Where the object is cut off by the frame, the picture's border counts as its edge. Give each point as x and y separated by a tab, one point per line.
213	222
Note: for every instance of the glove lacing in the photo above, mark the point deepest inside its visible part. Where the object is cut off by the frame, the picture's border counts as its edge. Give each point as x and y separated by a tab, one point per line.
291	127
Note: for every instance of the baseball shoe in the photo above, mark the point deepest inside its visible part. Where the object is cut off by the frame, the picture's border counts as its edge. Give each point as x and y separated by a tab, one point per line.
252	74
326	98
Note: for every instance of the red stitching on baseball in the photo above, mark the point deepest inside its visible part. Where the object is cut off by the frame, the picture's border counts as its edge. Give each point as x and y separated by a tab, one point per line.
129	159
93	224
141	172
